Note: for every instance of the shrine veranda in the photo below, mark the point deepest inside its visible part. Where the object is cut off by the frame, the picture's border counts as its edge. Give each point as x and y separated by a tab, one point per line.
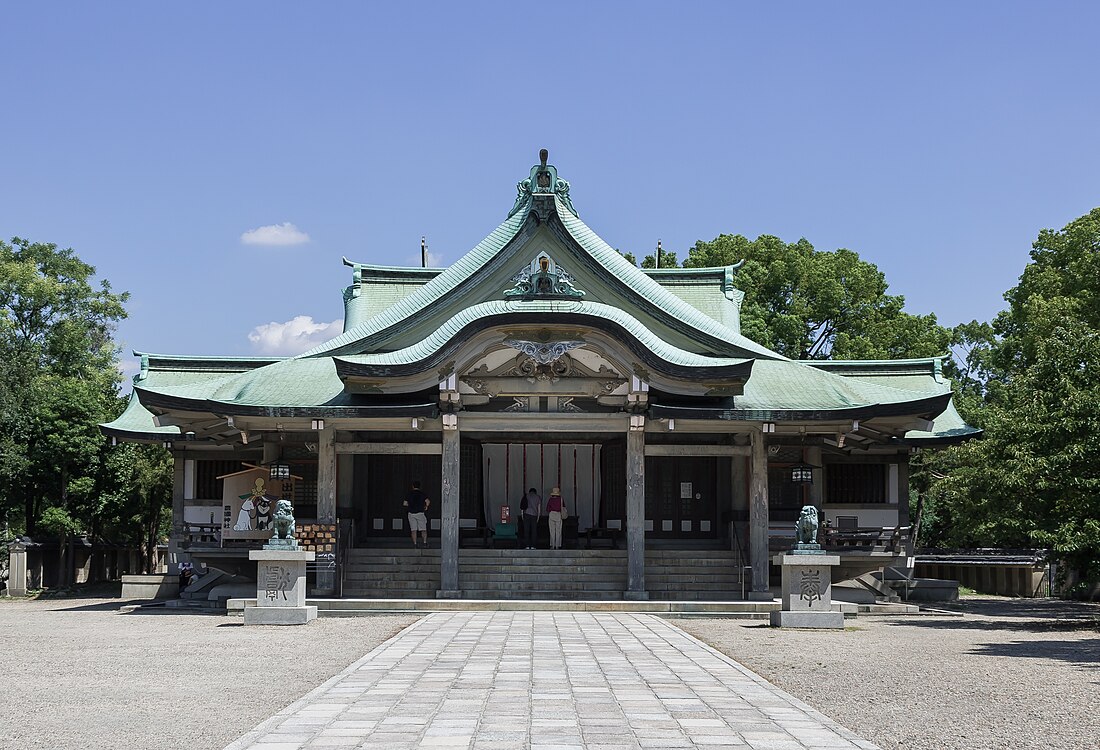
542	358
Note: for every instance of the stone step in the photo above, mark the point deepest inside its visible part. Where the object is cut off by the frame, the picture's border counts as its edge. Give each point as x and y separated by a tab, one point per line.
545	594
505	587
379	602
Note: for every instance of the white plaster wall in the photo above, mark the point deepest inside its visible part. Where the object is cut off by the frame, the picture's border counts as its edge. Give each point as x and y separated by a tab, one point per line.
202	513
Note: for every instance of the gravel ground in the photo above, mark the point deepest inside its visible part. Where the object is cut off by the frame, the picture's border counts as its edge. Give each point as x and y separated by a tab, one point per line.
78	673
1004	673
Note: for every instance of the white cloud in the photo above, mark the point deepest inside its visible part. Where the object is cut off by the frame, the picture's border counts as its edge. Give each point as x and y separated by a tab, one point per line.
295	336
275	234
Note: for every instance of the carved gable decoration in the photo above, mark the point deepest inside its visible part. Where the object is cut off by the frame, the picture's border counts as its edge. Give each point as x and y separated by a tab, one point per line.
527	374
543	278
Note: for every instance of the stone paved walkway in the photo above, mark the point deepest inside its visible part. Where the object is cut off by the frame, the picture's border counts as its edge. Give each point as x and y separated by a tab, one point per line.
543	681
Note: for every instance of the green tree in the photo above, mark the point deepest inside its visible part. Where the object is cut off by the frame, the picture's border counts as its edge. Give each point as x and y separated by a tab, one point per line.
809	304
1035	478
60	380
134	498
668	259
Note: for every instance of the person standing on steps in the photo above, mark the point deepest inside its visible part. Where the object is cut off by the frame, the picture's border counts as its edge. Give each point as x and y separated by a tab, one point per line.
417	503
532	511
556	513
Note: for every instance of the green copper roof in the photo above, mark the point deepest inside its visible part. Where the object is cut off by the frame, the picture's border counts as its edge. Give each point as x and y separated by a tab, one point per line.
465	278
402	321
557	311
708	290
652	292
375	289
410	305
172	371
135	420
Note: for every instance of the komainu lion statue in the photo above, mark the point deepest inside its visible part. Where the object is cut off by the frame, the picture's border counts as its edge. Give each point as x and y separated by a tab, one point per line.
283	520
806	529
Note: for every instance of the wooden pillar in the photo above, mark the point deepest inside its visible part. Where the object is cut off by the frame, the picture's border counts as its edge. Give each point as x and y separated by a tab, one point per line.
326	499
635	510
449	507
817	489
758	518
179	499
903	490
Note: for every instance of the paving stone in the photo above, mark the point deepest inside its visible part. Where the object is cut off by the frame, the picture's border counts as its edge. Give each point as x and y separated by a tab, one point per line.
548	681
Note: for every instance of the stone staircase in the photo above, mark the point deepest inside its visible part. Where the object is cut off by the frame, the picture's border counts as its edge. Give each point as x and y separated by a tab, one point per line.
408	573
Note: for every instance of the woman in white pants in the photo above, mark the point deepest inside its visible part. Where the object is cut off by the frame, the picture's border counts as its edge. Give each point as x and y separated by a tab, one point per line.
556	511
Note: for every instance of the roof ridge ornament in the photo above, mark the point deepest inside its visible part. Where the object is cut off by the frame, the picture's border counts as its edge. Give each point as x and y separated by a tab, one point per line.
543	278
543	180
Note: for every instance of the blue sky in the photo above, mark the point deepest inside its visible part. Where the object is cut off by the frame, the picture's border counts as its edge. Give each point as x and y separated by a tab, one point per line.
934	139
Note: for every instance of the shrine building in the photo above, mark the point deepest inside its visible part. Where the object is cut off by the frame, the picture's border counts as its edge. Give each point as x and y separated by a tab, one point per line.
541	358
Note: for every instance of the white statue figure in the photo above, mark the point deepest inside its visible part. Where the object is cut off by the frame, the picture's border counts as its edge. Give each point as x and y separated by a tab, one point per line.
244	517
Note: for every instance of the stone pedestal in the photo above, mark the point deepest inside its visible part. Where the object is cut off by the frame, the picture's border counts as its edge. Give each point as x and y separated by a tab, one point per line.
280	588
17	569
807	596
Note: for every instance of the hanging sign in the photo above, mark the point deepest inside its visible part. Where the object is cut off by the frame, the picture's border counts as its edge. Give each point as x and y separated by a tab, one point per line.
685	490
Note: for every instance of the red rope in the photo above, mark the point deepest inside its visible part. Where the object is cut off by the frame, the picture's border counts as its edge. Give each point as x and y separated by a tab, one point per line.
507	471
574	478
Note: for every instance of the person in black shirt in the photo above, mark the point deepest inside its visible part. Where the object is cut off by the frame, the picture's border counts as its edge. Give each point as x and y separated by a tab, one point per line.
417	503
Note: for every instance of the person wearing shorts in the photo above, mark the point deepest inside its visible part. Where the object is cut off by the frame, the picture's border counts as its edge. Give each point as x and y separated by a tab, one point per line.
417	503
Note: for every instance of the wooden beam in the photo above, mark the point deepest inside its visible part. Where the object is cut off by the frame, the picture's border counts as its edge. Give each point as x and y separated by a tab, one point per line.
698	450
421	449
543	422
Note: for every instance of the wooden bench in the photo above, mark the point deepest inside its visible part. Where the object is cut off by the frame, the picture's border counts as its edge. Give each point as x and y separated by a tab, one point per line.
884	538
203	534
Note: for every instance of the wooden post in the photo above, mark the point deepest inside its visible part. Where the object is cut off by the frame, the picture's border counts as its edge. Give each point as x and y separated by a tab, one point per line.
635	512
758	518
449	507
903	491
813	458
326	499
175	537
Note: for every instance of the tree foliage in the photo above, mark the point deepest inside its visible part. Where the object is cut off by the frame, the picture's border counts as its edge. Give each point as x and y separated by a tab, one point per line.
58	382
1035	477
809	304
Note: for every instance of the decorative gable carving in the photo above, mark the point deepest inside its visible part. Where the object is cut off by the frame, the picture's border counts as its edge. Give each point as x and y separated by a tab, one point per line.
525	375
543	278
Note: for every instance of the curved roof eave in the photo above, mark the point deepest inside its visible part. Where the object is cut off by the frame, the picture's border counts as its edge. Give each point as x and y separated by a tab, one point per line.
434	350
930	406
225	408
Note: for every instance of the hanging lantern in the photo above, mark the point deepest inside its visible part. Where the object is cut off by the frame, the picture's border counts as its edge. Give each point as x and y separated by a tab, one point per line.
802	474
